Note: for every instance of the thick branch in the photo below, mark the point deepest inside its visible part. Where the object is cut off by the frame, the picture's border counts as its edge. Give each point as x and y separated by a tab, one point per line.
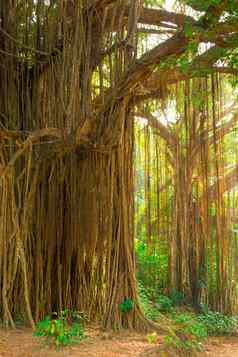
176	45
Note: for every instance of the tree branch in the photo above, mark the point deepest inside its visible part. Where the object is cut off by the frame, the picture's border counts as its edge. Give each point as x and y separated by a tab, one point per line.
201	66
155	17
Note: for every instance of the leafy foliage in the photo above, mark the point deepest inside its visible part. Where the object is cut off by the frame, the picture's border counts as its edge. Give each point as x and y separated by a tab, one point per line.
182	342
219	324
152	270
204	325
62	330
191	325
177	297
186	334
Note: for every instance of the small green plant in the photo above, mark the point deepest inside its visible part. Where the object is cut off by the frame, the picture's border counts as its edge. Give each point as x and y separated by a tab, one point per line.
60	330
152	337
126	305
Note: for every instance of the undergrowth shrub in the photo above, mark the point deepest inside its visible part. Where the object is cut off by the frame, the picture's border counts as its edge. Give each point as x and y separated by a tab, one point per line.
186	335
219	324
149	308
182	343
164	304
61	330
191	325
177	297
161	304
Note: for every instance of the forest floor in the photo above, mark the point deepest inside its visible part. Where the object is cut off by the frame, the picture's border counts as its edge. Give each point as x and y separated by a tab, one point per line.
21	343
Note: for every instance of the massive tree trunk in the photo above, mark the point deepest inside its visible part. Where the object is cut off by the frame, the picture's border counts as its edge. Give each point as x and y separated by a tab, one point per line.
67	224
66	185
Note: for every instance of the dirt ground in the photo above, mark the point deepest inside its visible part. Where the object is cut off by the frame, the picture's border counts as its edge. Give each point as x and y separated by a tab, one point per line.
222	347
21	343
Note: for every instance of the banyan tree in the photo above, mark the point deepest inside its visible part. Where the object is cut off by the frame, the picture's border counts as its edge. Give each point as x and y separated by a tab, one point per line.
74	74
189	185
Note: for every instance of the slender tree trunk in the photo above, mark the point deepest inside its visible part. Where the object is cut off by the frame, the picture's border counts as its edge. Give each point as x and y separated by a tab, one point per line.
187	252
